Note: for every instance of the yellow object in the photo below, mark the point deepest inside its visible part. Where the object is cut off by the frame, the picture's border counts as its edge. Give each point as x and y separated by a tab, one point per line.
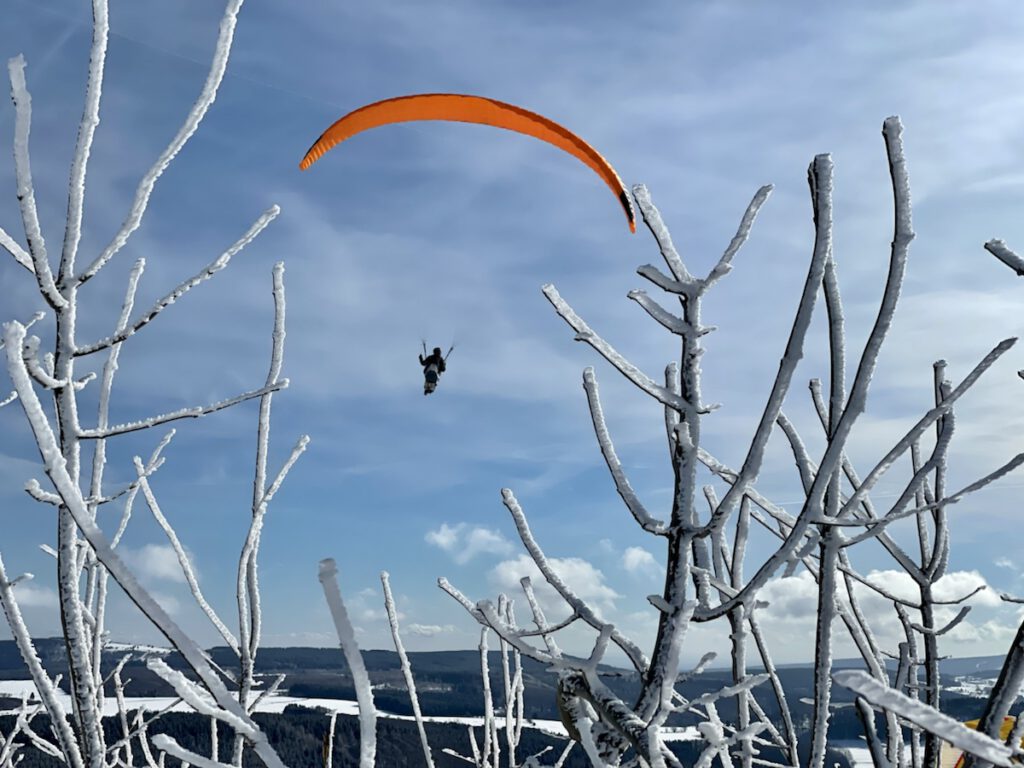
951	757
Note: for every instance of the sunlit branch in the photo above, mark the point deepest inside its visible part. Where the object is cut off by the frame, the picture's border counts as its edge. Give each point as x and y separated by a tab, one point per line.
195	116
200	277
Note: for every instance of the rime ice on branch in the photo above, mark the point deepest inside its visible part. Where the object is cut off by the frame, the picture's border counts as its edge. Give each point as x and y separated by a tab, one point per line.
706	577
86	555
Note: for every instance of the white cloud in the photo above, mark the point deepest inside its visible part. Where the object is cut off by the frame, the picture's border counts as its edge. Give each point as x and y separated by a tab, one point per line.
444	537
586	581
156	562
168	602
465	543
429	630
638	560
792	599
789	619
952	586
1004	562
31	595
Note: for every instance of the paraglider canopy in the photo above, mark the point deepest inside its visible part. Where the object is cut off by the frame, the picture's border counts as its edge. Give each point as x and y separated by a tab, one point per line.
464	108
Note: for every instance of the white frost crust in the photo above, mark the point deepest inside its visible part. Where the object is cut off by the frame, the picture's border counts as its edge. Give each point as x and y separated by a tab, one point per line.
917	712
360	678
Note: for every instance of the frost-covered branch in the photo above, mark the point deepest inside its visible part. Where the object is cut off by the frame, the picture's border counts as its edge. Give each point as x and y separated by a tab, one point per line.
361	680
56	469
876	526
947	728
724	265
26	191
665	318
652	218
622	484
44	685
200	277
20	255
188	757
636	656
410	682
822	172
247	590
1001	251
195	116
86	131
185	413
183	558
621	364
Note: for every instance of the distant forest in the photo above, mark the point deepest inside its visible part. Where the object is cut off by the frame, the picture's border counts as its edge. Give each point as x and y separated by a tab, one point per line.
448	684
298	737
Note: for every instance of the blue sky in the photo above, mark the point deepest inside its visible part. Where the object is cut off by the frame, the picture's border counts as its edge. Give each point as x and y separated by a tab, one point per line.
448	231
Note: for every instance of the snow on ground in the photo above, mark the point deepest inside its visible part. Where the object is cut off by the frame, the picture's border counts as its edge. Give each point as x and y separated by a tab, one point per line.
855	751
277	703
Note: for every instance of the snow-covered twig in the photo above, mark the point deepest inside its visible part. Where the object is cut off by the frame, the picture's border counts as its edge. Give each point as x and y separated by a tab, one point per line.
26	191
195	116
328	575
410	682
329	746
269	691
56	469
1001	251
621	364
489	725
622	484
875	526
946	727
203	275
171	747
665	318
86	131
44	685
201	701
652	218
822	169
20	255
724	265
185	413
636	656
183	558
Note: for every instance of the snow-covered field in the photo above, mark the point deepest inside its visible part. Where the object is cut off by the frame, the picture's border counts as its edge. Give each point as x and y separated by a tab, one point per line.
855	751
278	702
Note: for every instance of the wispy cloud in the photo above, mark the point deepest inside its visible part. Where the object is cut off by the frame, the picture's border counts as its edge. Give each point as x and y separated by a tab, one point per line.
429	630
448	231
637	560
31	595
156	562
581	576
464	542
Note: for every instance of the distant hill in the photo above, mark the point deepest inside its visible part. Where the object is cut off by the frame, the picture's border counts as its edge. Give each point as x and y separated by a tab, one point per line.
449	683
283	659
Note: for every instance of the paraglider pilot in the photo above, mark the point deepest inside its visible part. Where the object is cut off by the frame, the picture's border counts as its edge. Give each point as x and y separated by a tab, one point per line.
433	366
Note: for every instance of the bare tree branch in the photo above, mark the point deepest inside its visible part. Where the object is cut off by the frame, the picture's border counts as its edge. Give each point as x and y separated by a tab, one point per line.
200	277
184	413
195	116
26	191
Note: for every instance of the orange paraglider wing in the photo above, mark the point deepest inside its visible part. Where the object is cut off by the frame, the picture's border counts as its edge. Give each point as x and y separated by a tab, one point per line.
470	109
